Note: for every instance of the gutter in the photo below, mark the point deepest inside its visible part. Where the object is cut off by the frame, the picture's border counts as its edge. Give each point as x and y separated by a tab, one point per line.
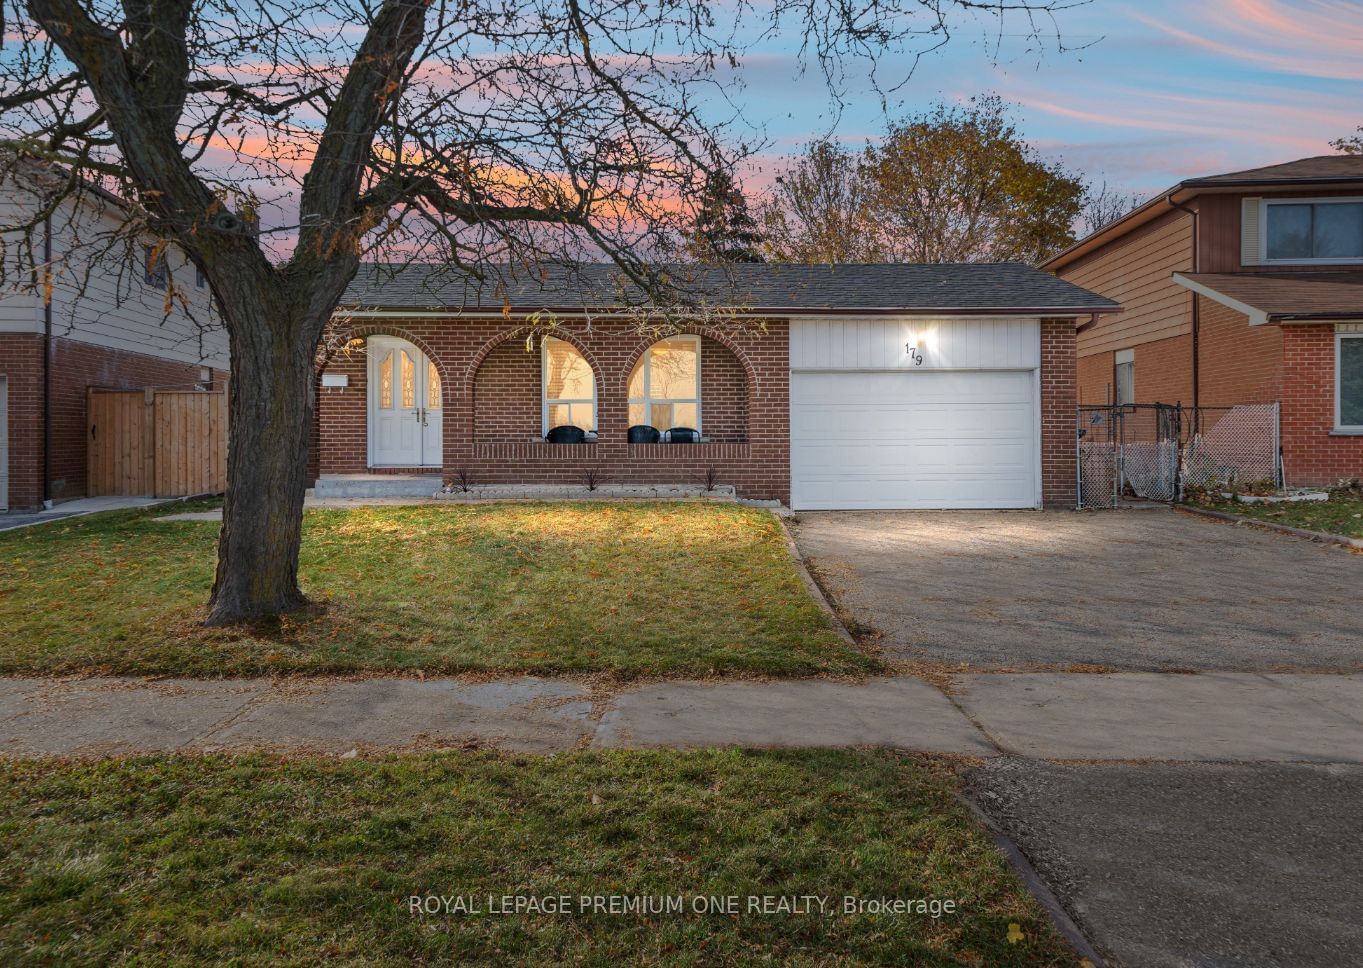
755	313
1197	302
47	361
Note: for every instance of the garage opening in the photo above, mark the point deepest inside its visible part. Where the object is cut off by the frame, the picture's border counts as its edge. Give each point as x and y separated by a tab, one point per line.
914	439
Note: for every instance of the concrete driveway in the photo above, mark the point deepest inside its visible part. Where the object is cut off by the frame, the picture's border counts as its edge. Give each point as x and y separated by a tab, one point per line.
1132	590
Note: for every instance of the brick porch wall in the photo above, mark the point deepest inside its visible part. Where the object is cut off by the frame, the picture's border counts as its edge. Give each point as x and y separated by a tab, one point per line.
76	366
1059	397
491	391
1312	455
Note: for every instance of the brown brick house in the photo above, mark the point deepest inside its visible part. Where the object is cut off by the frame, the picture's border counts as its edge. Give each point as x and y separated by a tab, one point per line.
825	386
103	324
1245	287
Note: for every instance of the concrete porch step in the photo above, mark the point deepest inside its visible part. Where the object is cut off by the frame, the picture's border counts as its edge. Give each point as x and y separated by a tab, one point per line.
376	485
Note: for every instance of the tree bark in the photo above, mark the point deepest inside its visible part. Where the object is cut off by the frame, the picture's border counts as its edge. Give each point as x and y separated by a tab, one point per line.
271	410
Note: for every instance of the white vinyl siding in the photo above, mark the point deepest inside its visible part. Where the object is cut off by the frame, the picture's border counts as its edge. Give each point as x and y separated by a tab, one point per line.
104	301
882	344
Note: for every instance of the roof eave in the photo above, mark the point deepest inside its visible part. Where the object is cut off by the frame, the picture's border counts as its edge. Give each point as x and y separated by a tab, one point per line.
1047	311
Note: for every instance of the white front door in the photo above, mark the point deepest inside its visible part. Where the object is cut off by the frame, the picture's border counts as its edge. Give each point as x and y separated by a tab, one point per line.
404	405
913	439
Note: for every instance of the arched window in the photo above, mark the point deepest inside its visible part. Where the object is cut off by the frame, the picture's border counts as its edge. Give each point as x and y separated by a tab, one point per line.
664	387
569	387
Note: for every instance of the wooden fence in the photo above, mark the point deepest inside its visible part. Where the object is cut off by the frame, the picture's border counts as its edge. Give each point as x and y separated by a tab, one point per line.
157	443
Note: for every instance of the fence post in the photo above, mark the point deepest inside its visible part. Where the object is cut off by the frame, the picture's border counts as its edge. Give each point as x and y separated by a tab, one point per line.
149	442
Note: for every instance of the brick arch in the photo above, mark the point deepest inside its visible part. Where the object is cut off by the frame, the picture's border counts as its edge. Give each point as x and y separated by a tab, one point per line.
384	329
723	339
471	373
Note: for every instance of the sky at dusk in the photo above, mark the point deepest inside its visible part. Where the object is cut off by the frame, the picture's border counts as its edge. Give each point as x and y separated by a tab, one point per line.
1149	91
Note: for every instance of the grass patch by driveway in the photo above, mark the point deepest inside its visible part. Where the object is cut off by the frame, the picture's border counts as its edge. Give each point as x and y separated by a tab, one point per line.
1335	516
630	589
261	860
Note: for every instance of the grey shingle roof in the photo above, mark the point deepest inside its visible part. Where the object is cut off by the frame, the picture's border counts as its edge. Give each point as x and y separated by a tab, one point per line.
967	288
1317	168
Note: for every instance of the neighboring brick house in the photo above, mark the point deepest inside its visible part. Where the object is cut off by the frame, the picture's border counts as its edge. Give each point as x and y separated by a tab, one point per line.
104	325
1245	287
869	386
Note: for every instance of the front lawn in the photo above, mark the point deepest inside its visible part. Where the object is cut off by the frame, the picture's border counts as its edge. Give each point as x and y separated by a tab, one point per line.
1339	515
630	589
262	860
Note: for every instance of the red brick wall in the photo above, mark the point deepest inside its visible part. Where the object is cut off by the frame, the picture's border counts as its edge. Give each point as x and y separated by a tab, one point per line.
76	366
1311	455
1095	378
491	387
21	362
1059	396
1240	363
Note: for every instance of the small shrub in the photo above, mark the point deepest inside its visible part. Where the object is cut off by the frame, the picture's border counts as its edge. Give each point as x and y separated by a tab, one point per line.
592	478
711	480
461	483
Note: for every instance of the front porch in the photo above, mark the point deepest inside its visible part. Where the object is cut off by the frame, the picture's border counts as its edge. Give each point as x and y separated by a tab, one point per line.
478	402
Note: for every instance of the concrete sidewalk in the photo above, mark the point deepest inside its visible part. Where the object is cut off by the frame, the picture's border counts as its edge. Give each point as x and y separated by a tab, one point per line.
1129	716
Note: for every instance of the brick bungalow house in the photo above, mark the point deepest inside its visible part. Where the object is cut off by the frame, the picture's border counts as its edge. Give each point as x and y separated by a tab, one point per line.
105	325
853	386
1245	287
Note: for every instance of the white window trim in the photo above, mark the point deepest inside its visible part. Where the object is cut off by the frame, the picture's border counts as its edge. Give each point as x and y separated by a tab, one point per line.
1340	426
1264	203
545	402
1120	359
647	401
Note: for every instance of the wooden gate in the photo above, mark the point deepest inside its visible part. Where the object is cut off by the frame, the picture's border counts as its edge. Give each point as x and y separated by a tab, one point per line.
156	443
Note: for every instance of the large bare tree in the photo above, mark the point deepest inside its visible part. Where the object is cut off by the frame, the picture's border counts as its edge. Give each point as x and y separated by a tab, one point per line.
278	143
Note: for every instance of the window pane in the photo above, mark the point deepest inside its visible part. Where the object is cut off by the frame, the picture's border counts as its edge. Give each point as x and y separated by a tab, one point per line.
1338	231
636	379
432	387
660	416
1351	382
684	415
638	414
580	415
566	373
1125	389
672	370
386	382
1289	231
408	382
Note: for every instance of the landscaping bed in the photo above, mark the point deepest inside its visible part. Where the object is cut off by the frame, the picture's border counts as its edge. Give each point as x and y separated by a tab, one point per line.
647	589
1342	514
263	859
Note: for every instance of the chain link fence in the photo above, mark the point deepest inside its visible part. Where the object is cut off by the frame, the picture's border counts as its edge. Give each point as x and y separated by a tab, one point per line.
1151	452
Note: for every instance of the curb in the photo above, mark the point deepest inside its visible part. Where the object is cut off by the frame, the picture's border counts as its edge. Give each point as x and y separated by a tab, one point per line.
1032	881
815	592
1323	537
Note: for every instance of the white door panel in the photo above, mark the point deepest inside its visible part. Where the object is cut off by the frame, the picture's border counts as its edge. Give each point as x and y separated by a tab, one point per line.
404	429
917	439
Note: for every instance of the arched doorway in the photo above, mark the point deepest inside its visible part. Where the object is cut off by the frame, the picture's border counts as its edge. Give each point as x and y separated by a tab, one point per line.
405	409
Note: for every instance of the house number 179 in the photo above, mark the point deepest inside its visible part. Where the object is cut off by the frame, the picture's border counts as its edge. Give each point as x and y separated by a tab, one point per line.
914	354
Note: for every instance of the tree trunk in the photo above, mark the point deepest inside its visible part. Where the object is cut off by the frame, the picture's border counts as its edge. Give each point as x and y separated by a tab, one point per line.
271	405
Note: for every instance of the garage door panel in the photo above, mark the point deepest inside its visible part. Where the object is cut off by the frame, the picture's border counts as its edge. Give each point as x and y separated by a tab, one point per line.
913	440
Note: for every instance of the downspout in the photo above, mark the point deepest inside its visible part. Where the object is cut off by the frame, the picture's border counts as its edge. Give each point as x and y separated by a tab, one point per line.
47	361
1197	303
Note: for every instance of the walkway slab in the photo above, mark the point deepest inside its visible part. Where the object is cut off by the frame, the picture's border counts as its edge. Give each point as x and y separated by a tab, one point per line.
116	716
524	714
902	713
1207	717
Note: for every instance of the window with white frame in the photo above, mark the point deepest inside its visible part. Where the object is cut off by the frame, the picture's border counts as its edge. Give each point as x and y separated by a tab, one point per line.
154	272
1349	381
1313	230
1124	377
664	387
569	387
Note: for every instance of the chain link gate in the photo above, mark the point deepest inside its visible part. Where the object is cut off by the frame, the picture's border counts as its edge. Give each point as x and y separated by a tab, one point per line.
1151	451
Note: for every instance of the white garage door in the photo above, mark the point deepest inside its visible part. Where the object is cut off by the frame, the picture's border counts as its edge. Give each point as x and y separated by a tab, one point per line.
913	439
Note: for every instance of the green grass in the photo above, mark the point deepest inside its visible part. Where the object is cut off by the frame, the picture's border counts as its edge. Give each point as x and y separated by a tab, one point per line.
1335	516
256	860
628	589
